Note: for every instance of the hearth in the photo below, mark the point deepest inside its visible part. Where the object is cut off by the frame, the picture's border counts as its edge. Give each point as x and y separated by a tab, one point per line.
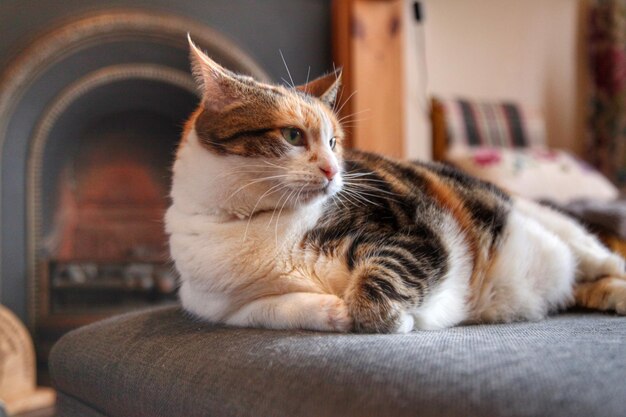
100	101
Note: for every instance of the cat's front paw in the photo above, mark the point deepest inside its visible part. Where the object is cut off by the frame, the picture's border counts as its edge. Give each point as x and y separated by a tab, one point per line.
405	323
607	293
335	314
618	296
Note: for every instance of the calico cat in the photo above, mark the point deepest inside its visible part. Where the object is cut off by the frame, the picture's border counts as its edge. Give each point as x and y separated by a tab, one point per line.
273	224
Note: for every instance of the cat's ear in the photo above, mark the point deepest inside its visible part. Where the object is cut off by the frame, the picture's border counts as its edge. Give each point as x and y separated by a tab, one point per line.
218	86
325	87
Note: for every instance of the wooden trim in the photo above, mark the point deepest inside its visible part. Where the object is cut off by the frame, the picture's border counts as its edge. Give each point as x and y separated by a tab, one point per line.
439	132
369	45
341	25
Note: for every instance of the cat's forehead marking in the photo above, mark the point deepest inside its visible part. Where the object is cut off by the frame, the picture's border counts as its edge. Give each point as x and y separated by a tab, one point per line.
250	127
311	116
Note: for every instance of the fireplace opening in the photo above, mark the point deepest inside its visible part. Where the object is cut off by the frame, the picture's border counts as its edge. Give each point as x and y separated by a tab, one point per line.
101	191
106	248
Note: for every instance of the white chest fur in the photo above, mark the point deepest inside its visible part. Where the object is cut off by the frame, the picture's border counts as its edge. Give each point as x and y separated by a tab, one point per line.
239	259
226	259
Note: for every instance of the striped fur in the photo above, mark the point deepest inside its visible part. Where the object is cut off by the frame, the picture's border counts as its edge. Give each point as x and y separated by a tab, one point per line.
395	246
278	234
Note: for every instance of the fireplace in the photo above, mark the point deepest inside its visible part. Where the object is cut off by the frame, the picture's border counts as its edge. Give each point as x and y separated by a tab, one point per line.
97	106
103	244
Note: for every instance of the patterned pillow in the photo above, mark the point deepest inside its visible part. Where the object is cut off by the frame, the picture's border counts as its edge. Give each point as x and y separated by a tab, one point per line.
537	173
499	124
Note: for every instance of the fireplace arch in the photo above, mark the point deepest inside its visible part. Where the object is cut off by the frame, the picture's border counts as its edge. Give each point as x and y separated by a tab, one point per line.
66	79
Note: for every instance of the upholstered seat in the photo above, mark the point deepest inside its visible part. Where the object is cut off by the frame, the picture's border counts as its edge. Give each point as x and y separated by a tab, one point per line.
163	363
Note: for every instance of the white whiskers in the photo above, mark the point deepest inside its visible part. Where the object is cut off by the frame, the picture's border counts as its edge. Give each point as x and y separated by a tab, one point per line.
292	85
256	181
272	190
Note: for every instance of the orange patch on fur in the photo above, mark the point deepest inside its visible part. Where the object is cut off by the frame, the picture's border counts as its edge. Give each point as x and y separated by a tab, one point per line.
188	127
598	294
449	199
307	116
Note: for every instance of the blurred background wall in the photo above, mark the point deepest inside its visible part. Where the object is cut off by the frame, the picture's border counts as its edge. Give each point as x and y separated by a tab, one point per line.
529	51
300	28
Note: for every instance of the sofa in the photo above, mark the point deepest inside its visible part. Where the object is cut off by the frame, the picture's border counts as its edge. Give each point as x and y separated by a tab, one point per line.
162	362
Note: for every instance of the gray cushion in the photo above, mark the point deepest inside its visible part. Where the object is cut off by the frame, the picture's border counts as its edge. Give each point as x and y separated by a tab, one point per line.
163	363
71	407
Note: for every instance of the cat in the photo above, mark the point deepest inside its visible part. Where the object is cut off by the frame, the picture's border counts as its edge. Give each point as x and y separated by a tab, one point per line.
274	224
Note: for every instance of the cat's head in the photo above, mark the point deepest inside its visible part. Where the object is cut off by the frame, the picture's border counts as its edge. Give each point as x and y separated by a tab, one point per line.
252	146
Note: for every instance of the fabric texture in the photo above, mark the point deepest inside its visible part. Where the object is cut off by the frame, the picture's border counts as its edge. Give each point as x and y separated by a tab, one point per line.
607	49
607	217
536	173
71	407
500	124
163	363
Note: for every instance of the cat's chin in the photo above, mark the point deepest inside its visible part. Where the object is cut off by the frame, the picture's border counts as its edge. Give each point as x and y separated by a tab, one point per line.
310	196
313	195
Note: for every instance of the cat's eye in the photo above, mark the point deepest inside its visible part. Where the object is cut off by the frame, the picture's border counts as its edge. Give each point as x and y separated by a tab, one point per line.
293	135
332	142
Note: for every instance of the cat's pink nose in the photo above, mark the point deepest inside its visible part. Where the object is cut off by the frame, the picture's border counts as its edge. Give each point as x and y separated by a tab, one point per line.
329	171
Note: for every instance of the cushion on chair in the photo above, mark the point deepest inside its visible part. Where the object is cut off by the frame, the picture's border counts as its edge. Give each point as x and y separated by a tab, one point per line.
163	363
536	173
470	123
505	143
